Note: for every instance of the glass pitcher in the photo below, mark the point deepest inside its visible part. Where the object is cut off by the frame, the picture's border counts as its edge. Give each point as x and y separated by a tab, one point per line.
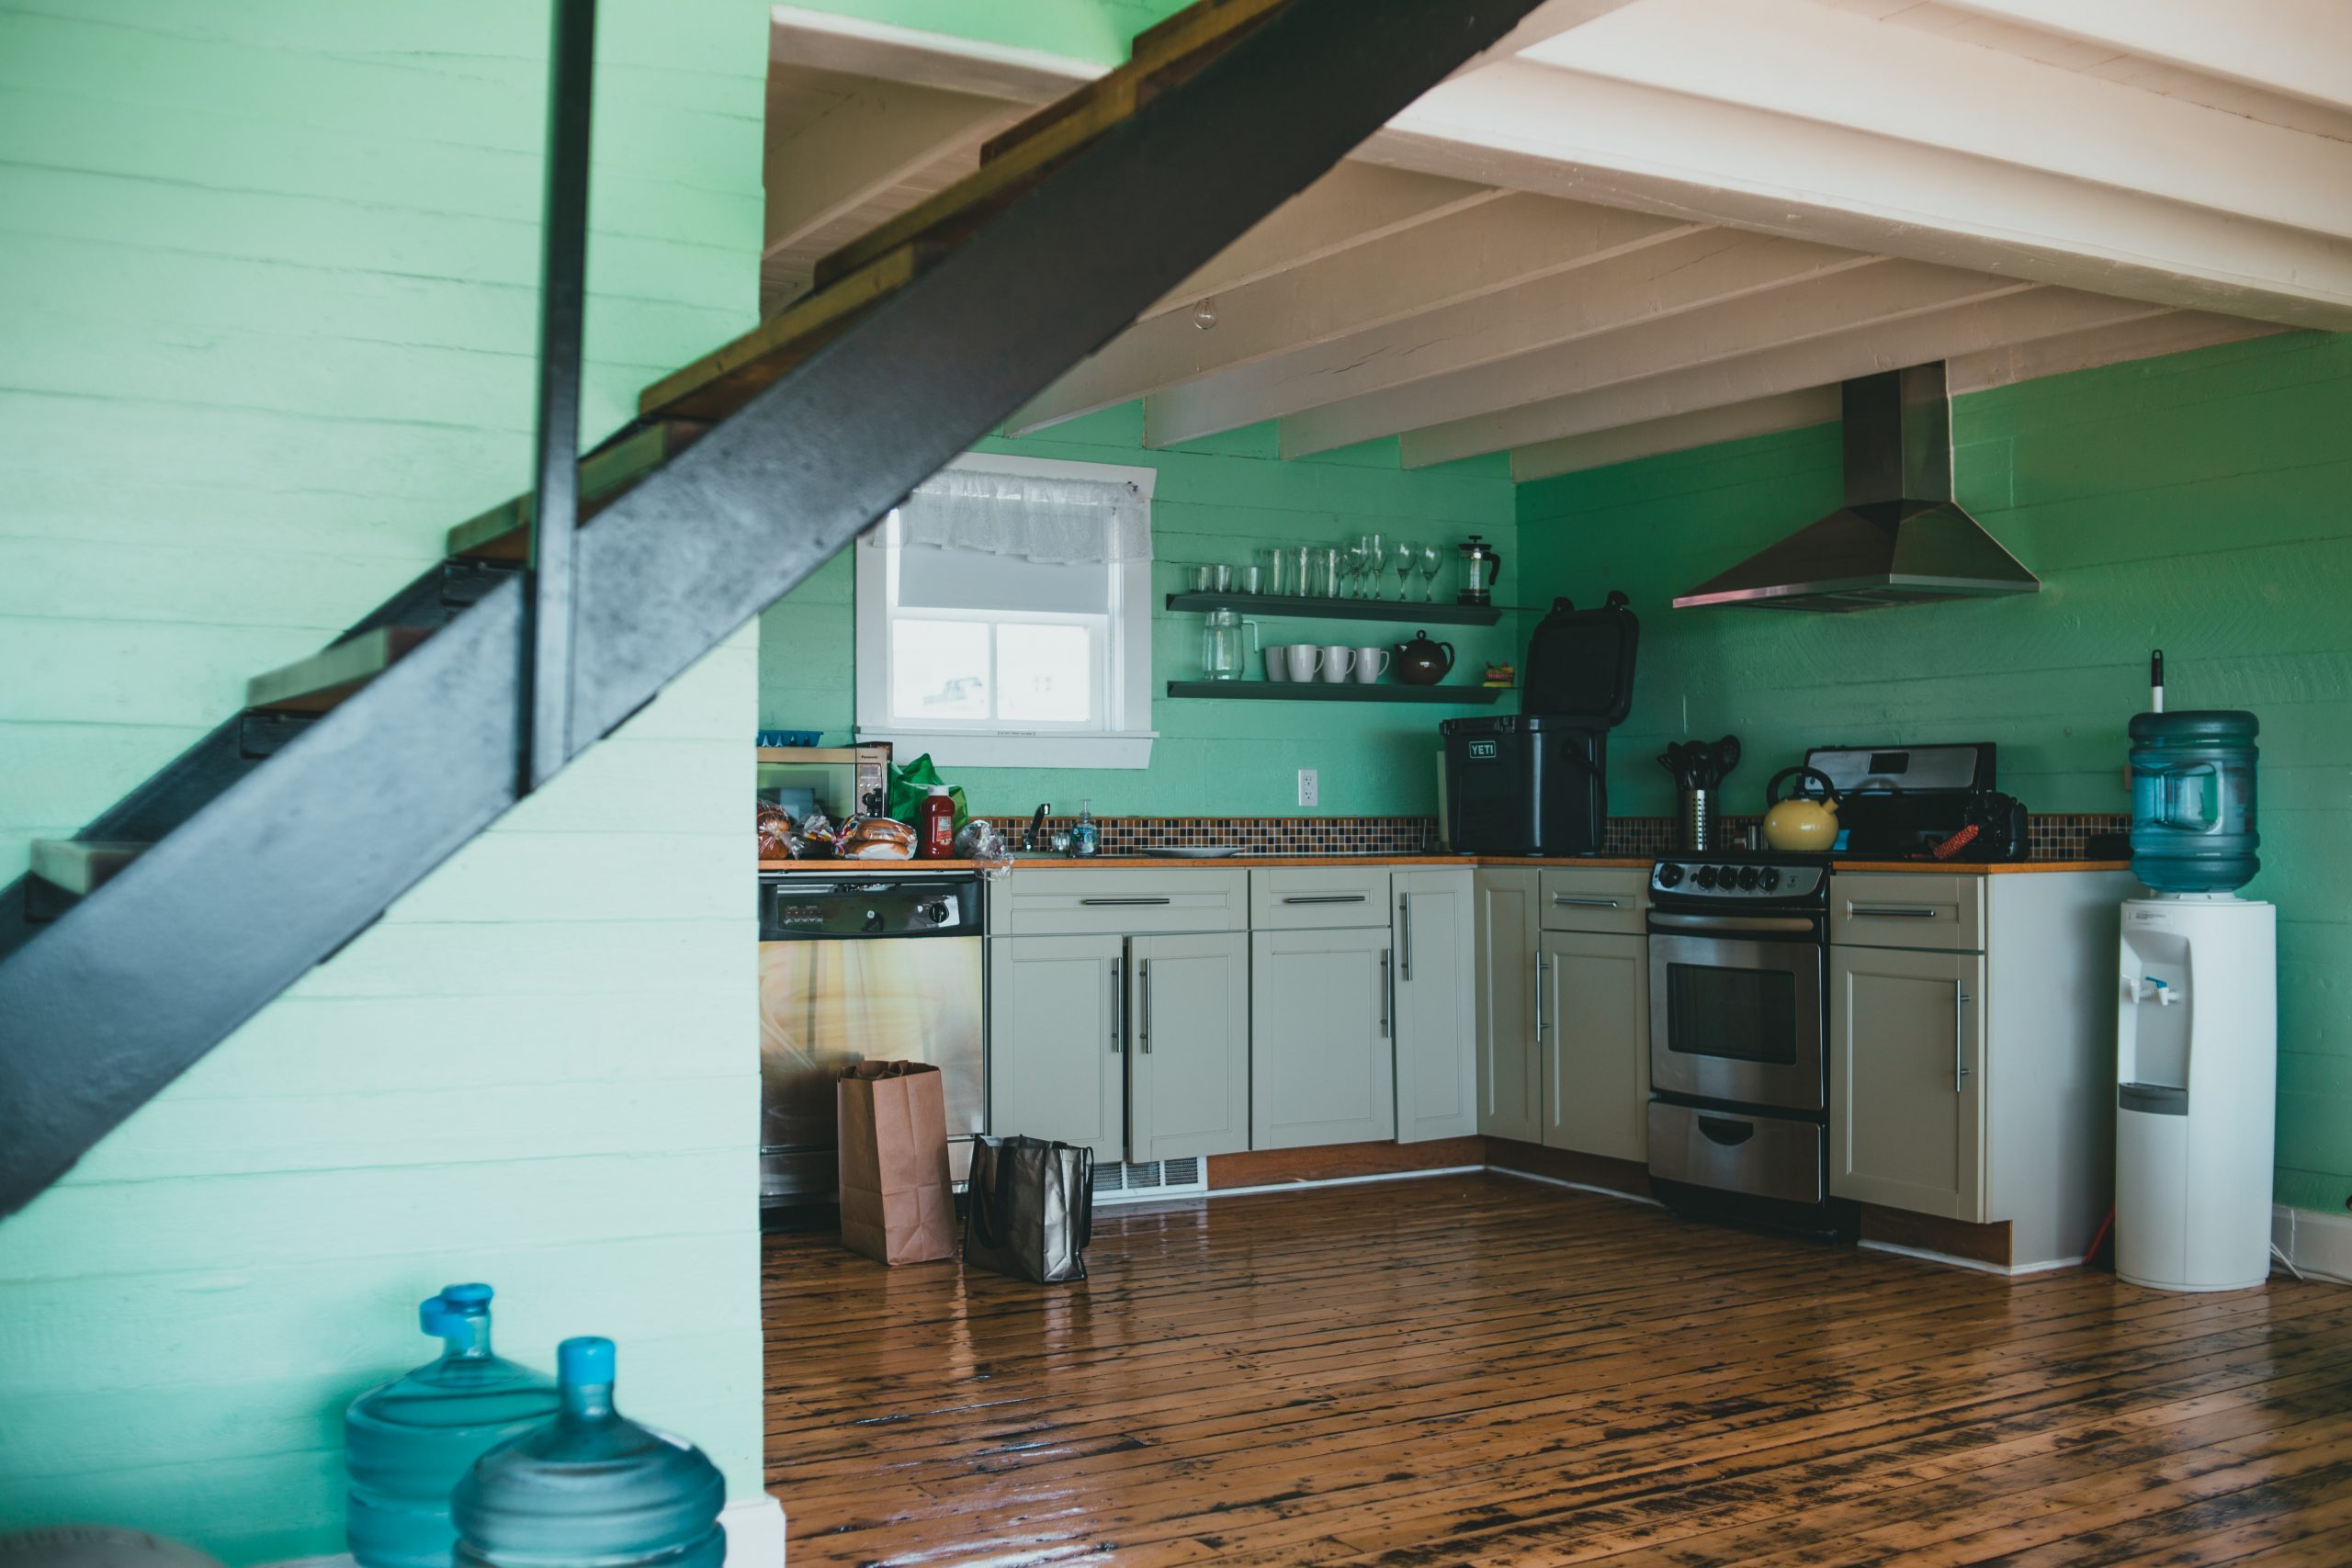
1223	654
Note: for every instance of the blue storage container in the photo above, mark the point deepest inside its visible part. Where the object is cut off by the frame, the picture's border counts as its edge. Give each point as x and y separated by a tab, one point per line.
406	1442
2193	801
591	1487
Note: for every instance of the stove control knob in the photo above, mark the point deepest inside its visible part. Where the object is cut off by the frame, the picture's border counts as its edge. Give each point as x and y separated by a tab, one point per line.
872	921
1706	875
936	913
1769	878
1670	875
1749	876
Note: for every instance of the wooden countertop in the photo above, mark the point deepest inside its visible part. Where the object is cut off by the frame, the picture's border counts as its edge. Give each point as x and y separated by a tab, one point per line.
1159	862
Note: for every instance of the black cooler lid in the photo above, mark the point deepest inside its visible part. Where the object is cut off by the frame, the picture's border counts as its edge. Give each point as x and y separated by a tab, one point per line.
1581	662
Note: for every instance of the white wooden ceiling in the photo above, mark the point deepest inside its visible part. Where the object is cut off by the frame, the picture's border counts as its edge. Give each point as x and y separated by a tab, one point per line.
1643	225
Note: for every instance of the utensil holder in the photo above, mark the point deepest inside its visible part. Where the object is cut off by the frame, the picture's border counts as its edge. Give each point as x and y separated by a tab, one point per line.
1697	824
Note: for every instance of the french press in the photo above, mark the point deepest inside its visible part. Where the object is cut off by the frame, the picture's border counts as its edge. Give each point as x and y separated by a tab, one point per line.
1481	565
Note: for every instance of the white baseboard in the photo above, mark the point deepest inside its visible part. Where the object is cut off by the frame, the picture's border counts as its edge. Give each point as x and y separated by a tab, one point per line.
1573	1185
1304	1183
2318	1244
755	1528
1951	1260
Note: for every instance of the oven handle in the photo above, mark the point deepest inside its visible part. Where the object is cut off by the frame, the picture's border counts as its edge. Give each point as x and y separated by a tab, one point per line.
1732	922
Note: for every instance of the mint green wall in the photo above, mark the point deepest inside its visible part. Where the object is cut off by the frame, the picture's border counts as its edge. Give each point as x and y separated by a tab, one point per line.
2195	503
266	292
1215	499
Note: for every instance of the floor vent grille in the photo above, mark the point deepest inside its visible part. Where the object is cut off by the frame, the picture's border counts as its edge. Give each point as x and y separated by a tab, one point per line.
1151	1180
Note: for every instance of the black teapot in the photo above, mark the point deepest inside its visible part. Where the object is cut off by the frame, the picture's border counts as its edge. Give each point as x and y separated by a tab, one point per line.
1421	663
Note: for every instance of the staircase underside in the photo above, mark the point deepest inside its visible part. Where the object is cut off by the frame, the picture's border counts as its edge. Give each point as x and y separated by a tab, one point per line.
291	828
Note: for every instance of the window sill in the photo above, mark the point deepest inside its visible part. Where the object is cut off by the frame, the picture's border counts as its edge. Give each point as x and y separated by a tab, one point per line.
962	749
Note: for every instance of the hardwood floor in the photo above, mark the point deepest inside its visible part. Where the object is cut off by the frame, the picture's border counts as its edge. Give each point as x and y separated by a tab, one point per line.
1480	1369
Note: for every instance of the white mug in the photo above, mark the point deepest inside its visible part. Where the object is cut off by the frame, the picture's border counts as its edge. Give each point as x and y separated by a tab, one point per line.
1336	663
1303	658
1277	663
1372	664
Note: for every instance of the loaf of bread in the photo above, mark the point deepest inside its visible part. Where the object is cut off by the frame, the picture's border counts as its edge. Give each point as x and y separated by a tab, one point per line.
878	838
776	833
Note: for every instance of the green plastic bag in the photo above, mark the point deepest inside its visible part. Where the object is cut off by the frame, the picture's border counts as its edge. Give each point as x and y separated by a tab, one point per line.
910	783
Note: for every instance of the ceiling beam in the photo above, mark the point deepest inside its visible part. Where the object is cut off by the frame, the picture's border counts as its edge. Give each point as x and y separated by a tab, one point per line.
1674	269
829	40
1628	145
1356	204
1467	252
1841	356
2174	332
1872	291
1796	59
2302	47
1677	433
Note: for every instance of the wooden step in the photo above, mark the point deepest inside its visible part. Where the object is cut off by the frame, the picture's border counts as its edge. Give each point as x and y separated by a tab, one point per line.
503	533
317	683
79	867
862	274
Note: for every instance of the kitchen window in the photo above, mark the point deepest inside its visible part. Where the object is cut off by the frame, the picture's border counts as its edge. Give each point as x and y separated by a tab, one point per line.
1004	616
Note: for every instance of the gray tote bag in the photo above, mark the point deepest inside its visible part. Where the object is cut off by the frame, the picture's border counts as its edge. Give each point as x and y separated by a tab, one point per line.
1031	1209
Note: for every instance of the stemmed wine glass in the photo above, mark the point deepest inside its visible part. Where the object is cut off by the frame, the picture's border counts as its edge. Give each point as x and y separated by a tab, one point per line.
1351	569
1376	560
1408	560
1431	558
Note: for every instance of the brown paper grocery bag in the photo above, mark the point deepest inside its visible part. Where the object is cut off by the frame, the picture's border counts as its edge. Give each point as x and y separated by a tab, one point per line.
895	1205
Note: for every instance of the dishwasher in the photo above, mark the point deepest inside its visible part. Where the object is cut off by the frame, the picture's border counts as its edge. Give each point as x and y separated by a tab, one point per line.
854	967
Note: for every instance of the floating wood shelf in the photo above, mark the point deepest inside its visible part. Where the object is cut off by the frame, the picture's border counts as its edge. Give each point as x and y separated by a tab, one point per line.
1283	605
1331	692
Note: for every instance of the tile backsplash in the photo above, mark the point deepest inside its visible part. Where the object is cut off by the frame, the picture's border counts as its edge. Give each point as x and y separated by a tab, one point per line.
2051	837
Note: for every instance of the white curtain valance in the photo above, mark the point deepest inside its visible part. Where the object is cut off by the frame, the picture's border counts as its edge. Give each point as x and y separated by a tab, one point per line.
1030	516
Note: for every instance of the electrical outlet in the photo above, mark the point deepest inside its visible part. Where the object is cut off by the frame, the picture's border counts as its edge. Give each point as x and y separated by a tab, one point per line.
1310	789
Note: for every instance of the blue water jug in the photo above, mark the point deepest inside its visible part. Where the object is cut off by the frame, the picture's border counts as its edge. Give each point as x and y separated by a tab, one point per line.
406	1443
590	1486
2193	801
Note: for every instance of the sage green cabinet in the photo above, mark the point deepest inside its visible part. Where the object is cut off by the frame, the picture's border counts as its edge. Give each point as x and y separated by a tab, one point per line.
1434	941
1322	1062
1188	1045
1593	1029
1510	1071
1058	1059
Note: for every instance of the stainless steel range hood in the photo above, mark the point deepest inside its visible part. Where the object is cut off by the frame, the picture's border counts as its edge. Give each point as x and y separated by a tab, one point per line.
1899	539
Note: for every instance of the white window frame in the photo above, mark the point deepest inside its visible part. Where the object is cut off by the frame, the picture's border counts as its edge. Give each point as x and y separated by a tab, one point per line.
1126	743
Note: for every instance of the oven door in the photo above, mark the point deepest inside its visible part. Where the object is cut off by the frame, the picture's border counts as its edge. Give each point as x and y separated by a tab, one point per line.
1739	1020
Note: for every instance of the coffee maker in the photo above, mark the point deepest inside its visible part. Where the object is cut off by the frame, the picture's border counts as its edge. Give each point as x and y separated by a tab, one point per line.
1481	565
1536	783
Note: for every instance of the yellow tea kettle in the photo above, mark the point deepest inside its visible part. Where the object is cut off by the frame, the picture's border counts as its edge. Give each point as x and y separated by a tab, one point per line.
1800	823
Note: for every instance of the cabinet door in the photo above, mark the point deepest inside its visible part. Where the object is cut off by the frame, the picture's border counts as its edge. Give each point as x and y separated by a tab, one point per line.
1509	1081
1188	1045
1436	1023
1595	1025
1907	1082
1058	1068
1322	1069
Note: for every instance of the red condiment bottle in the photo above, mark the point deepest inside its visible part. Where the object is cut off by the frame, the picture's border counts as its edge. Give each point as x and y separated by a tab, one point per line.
935	826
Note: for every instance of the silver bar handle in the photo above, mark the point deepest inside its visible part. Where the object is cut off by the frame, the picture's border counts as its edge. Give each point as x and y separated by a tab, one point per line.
1122	903
1405	942
1321	898
1894	911
1383	993
1731	922
1539	998
1144	1042
1958	1037
1565	901
1118	1011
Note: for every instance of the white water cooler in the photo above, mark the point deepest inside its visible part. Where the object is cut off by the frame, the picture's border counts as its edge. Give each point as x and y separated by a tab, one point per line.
2196	1073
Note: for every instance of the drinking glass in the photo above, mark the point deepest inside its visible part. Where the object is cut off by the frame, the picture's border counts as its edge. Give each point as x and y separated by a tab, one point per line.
1268	560
1408	561
1351	570
1431	559
1376	560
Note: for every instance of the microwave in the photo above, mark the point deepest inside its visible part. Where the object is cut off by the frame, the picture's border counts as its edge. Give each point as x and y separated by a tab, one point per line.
841	781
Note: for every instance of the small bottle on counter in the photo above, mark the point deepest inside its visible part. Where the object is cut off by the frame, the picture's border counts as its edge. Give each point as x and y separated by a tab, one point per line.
1084	837
935	826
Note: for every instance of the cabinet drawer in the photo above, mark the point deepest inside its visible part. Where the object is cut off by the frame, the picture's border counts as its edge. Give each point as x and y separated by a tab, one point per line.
1054	901
1606	898
1930	911
1322	898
